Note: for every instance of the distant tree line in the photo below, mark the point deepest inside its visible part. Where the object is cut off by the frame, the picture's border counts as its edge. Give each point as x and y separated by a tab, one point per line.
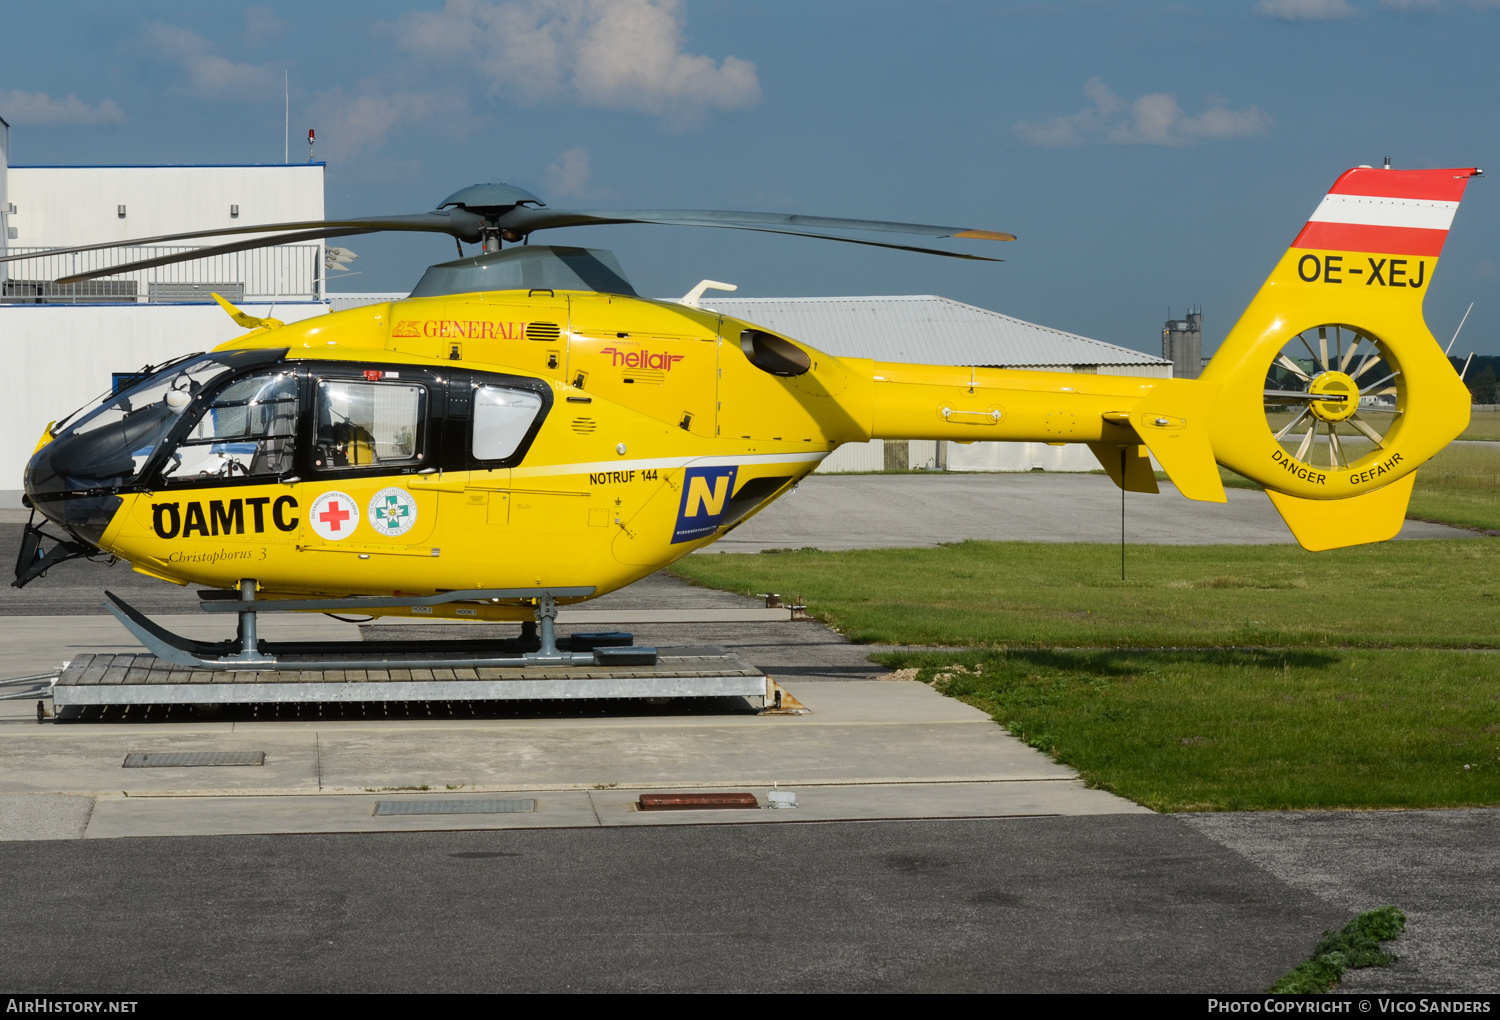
1484	385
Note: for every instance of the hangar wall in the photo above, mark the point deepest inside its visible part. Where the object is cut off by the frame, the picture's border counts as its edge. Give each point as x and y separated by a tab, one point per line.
59	357
62	206
58	206
4	200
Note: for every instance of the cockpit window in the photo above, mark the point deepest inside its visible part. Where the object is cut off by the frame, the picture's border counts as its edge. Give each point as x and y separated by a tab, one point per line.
502	417
247	430
368	424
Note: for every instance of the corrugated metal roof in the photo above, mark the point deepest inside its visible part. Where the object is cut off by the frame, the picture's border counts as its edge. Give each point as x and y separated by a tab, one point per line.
338	302
923	329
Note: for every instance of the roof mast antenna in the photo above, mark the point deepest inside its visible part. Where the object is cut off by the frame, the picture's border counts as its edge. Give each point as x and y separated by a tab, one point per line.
286	134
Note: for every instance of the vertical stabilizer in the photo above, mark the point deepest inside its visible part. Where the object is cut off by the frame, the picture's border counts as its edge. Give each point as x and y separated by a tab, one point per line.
1332	388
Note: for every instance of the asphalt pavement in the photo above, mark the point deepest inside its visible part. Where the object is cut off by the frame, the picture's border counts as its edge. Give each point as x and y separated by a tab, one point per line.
876	511
1117	904
1442	868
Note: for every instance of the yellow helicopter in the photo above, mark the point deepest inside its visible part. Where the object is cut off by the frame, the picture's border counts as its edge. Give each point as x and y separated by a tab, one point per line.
525	430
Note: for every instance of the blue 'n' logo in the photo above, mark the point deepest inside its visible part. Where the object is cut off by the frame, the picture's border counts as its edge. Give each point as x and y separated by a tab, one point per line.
705	497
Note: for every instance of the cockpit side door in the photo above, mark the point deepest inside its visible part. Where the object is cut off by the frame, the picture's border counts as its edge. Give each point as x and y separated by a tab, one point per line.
219	476
246	431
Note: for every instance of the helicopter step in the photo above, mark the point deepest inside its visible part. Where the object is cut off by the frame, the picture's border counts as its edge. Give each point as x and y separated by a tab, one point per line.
142	679
247	652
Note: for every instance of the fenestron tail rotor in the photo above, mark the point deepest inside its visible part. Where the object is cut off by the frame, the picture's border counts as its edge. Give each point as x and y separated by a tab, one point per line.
1332	395
491	214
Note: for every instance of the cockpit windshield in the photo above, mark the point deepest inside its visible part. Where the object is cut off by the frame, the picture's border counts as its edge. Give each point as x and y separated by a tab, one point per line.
111	445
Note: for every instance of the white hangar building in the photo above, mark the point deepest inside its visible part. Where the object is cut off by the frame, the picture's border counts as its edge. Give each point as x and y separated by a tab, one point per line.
63	344
117	324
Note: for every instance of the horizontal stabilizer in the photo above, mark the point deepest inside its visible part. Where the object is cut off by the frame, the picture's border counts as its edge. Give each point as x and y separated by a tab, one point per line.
1320	524
1138	475
1173	422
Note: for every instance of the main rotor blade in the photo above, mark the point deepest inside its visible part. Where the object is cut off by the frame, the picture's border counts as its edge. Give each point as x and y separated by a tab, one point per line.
468	226
856	240
222	249
460	223
310	235
524	220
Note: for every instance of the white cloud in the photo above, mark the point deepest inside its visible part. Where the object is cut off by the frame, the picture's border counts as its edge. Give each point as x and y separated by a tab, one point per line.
1152	119
40	109
352	125
350	122
262	25
1424	6
569	176
1306	10
209	73
613	54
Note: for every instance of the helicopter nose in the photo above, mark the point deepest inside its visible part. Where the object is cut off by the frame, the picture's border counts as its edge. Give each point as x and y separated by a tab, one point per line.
73	481
86	517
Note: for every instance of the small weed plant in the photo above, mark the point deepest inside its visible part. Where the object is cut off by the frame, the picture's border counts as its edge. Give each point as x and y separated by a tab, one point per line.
1355	945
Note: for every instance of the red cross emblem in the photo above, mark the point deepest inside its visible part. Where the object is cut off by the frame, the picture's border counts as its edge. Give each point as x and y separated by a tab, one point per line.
334	516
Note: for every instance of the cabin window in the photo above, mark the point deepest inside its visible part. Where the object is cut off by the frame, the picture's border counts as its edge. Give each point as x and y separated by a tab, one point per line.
247	430
368	424
502	417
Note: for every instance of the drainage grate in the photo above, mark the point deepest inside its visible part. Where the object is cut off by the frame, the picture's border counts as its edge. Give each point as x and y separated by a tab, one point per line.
454	807
192	759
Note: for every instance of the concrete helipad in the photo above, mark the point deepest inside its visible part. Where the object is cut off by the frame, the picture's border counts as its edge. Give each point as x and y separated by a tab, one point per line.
868	749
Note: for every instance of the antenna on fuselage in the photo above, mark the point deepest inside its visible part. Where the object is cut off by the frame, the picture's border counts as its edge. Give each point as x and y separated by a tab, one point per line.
1460	328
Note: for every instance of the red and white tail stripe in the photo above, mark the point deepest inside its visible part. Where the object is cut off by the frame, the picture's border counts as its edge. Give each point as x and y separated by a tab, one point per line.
1390	212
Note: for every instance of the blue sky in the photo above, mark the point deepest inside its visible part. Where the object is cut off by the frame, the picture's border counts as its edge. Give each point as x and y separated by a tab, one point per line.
1148	155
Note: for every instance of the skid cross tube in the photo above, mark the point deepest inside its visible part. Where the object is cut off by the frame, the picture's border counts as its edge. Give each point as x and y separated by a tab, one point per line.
247	652
227	602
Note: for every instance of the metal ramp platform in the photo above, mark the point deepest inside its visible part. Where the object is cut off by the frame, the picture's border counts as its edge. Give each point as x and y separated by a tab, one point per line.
143	679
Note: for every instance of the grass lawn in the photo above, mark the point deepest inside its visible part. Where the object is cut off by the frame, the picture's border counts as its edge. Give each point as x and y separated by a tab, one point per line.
1461	485
1221	730
1042	595
1483	425
1329	719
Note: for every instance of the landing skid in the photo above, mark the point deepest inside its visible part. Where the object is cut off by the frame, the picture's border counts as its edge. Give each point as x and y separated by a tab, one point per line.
248	653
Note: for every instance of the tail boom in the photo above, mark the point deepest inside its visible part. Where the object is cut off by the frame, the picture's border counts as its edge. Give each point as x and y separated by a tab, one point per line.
1109	413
